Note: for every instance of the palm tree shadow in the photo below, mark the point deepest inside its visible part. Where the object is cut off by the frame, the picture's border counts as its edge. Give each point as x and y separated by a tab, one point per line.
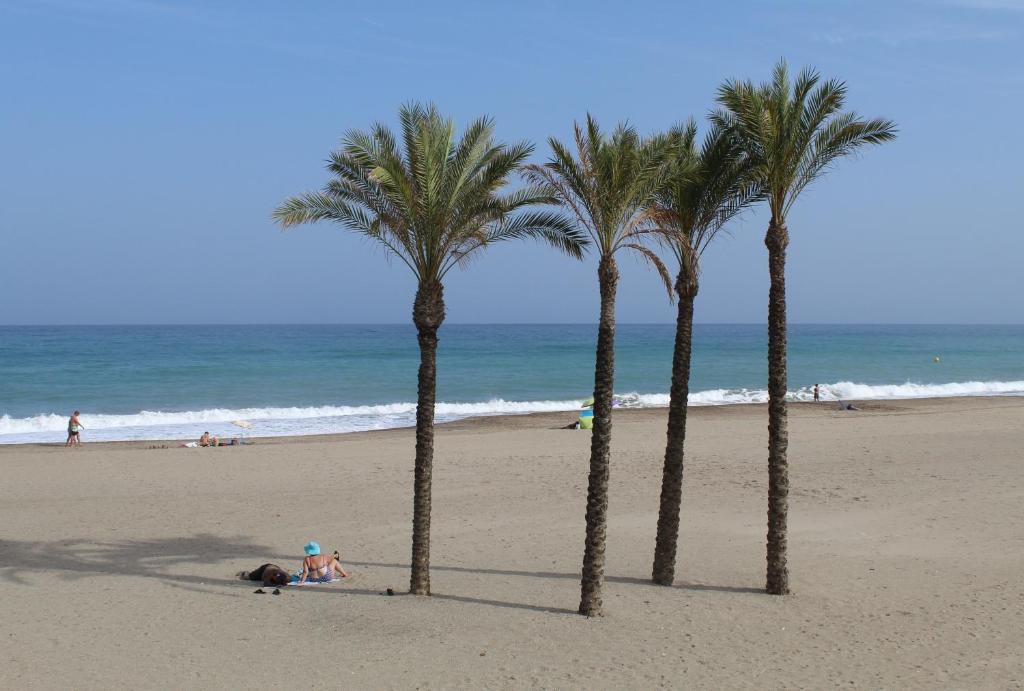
501	603
698	587
21	561
439	596
574	576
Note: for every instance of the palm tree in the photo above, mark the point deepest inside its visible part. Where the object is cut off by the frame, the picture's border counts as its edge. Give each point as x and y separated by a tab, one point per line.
708	185
434	203
606	189
793	134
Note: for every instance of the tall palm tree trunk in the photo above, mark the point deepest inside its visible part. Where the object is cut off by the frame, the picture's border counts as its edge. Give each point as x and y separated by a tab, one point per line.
776	240
600	444
427	315
664	569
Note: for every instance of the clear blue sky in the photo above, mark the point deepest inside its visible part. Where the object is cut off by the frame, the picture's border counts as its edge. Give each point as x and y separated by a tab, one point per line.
144	143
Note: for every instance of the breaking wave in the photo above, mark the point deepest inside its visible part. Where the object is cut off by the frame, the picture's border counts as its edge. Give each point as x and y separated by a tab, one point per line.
339	419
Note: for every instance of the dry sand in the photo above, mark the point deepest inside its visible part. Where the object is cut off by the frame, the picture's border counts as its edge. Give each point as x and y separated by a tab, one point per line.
906	552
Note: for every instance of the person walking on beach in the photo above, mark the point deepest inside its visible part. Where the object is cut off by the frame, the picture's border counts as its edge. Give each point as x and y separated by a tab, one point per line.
74	427
815	393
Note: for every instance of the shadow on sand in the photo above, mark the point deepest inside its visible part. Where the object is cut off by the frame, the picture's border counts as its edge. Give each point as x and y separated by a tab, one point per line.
451	598
75	558
20	561
573	576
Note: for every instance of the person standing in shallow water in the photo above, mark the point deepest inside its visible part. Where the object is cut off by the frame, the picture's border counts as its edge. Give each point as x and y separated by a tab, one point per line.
74	428
815	393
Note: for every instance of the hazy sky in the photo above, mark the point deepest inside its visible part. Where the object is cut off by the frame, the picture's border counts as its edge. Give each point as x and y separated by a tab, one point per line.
143	145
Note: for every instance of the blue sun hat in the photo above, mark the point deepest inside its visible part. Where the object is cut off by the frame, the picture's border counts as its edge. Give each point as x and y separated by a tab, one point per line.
312	548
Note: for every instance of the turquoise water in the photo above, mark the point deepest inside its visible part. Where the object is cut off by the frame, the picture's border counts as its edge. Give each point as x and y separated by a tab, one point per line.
155	382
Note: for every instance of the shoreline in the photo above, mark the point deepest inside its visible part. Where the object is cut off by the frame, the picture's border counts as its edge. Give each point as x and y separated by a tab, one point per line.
530	420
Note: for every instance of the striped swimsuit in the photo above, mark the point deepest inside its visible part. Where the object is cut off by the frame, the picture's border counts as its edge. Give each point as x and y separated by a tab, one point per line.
326	578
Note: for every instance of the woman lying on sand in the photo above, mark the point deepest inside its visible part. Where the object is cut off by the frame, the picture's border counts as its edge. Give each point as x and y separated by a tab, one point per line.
318	568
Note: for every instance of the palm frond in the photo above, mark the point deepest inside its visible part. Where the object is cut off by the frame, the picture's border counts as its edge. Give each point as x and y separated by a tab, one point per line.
649	257
317	206
792	132
552	227
839	138
564	180
705	188
434	200
607	183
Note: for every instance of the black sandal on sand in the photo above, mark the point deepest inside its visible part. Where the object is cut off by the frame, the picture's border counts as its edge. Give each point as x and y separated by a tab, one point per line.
277	591
259	591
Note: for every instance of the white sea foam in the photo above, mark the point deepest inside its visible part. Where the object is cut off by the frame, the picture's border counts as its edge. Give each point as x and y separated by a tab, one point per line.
851	390
149	424
146	418
338	419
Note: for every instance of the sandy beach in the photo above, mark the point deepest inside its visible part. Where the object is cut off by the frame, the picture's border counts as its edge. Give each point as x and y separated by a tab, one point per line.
906	552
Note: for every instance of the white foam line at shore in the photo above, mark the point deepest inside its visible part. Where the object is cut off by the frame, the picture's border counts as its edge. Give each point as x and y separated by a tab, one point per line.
298	421
53	422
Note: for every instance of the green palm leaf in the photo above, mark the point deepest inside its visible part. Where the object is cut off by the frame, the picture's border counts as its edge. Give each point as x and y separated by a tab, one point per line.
436	200
606	183
705	187
793	132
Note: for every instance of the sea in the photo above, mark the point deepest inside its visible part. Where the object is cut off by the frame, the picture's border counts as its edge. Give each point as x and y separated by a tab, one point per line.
175	382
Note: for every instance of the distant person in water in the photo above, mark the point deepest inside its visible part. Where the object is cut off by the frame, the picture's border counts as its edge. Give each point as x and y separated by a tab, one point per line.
815	393
74	428
319	568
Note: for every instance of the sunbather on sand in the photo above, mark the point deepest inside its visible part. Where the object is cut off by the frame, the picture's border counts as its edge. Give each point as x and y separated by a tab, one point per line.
207	440
267	574
320	568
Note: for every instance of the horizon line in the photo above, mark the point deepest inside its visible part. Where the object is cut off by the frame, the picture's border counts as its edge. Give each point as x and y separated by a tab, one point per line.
410	324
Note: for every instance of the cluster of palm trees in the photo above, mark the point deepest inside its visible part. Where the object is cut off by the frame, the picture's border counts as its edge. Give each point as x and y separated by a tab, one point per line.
434	201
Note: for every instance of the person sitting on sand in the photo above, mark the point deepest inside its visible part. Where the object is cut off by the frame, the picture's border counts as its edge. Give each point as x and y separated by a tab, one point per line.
207	440
319	568
267	574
